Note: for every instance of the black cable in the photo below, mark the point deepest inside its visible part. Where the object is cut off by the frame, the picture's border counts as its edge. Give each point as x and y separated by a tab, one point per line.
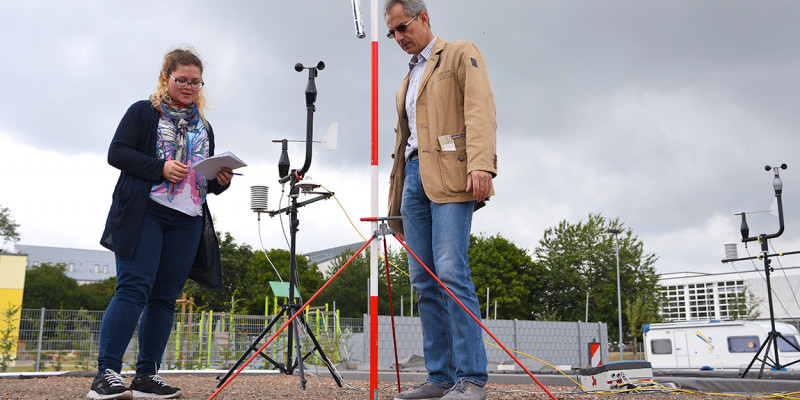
764	278
783	271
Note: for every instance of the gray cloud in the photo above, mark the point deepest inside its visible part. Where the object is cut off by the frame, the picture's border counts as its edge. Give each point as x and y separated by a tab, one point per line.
660	113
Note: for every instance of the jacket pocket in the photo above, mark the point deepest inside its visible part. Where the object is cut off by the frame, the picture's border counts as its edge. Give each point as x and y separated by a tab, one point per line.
453	166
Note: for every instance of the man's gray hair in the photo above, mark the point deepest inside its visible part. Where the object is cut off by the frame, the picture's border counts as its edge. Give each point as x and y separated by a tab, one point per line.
412	8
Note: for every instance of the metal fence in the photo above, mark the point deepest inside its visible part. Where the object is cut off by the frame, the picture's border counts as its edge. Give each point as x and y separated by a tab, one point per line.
61	340
64	340
557	342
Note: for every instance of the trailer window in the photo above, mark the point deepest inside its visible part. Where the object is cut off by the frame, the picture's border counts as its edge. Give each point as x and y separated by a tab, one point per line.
783	346
661	346
743	344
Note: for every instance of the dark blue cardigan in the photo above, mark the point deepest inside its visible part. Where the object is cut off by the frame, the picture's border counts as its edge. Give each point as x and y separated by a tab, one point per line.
133	152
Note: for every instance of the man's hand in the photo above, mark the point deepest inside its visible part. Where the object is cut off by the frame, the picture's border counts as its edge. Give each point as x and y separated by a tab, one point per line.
480	183
174	171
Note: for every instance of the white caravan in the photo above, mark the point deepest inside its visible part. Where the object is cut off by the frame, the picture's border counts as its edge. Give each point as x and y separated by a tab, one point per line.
716	344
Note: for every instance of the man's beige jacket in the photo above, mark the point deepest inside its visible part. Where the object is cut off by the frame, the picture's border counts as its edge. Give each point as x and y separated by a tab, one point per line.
454	98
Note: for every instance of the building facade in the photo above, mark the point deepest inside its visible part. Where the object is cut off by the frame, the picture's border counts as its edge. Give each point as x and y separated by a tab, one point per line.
693	296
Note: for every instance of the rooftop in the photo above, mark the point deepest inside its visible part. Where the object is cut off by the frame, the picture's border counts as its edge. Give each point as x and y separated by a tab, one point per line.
82	265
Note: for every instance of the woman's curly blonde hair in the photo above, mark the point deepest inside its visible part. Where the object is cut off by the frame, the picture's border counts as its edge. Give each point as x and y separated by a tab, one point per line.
172	59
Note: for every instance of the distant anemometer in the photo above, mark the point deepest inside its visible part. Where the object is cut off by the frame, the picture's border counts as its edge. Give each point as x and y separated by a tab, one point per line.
771	344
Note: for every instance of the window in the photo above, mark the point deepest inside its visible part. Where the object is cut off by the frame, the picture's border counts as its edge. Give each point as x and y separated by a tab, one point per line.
71	267
701	301
674	309
661	346
96	268
105	269
783	346
743	344
731	300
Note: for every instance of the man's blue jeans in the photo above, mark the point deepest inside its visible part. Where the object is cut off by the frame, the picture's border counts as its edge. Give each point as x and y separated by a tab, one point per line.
439	235
147	285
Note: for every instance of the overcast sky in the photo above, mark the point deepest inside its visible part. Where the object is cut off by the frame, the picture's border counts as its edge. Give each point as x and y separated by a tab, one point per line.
662	114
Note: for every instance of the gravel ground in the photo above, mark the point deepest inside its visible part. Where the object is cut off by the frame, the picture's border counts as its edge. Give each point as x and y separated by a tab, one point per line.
288	387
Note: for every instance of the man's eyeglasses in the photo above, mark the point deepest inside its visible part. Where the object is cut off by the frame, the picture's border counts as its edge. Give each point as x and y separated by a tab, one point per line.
182	83
399	28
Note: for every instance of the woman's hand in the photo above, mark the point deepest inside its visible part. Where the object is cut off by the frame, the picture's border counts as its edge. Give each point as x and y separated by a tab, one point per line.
174	171
224	176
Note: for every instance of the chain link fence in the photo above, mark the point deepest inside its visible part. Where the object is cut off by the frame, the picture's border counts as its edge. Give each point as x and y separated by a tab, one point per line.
67	340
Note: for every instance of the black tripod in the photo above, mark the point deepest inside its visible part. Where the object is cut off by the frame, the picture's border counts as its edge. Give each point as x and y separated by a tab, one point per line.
293	178
773	336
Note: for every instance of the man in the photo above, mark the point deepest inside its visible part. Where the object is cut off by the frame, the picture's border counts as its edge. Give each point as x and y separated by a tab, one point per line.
444	162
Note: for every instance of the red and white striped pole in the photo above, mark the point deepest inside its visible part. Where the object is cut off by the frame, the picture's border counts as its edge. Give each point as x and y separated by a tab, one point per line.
373	261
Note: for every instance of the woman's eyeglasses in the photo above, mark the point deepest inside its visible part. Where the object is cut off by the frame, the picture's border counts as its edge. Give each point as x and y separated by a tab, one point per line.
183	83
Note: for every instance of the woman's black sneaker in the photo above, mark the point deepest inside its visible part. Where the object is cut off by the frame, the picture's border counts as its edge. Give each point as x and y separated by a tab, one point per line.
154	387
109	385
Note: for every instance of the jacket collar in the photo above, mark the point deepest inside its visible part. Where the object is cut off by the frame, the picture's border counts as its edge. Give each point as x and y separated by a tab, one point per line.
430	66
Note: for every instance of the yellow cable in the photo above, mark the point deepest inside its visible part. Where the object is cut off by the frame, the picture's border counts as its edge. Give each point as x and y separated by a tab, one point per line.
655	384
358	231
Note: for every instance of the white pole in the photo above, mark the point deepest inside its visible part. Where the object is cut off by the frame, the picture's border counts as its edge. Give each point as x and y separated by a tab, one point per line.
619	297
487	302
411	310
587	306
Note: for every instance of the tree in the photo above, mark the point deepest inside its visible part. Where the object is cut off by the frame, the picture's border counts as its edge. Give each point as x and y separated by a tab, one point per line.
581	257
744	306
8	228
350	289
46	286
510	274
235	269
261	272
9	337
97	295
642	310
246	275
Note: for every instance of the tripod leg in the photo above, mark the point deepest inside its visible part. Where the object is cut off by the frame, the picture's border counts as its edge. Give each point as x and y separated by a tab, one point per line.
321	352
391	313
793	345
755	358
253	347
766	356
299	357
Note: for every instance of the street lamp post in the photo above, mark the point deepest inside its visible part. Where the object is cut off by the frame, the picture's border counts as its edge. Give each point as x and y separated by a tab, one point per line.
616	233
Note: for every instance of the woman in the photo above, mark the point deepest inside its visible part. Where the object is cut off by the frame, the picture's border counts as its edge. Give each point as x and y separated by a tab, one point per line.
155	223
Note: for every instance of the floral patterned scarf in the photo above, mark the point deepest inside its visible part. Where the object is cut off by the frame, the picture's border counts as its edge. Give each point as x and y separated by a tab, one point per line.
185	117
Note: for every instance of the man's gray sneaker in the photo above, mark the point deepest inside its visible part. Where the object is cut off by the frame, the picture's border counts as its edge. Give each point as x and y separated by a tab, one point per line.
422	391
464	390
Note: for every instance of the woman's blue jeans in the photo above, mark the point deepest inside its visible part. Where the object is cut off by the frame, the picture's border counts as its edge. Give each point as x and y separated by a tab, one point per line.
148	285
439	235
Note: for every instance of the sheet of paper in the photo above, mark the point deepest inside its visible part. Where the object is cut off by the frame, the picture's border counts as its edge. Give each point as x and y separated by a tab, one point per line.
446	142
211	166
